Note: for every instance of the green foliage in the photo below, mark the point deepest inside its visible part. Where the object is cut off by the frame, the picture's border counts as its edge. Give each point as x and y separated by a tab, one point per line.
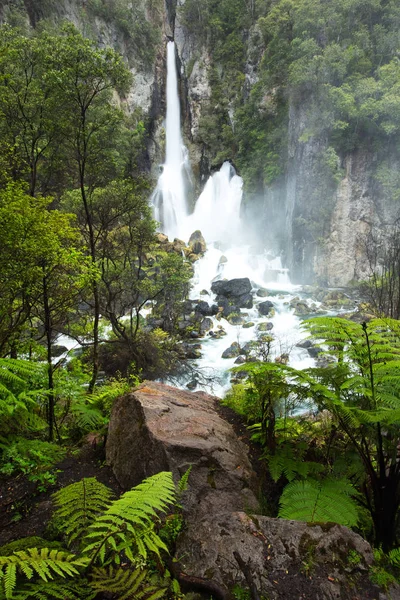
385	570
79	504
127	584
289	462
361	389
328	500
129	522
109	531
45	563
31	457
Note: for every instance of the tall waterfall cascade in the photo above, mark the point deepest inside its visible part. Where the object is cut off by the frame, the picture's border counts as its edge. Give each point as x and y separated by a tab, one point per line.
229	254
169	198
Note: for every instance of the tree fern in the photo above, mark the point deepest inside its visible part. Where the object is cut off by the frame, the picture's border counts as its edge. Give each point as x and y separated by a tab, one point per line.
128	584
79	504
129	522
329	500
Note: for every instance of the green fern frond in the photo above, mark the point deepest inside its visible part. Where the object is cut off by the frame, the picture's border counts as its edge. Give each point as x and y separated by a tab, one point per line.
129	521
288	464
44	562
87	417
184	480
319	501
79	589
79	504
394	557
127	584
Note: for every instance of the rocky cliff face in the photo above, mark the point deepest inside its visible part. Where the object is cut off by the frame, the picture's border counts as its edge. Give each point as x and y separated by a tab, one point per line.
317	220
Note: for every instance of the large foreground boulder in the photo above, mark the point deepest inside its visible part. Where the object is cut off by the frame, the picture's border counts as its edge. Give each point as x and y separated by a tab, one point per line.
237	291
287	560
159	428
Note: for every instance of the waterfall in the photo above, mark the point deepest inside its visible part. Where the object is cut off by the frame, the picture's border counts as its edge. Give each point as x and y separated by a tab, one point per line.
232	252
217	210
169	199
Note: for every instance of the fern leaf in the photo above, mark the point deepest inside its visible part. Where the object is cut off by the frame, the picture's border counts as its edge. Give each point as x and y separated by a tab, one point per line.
126	584
79	504
319	501
130	519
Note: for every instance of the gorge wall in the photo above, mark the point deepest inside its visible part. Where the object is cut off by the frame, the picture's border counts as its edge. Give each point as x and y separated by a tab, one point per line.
274	93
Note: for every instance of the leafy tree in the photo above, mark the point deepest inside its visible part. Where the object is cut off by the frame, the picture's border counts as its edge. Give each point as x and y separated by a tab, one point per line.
85	79
43	273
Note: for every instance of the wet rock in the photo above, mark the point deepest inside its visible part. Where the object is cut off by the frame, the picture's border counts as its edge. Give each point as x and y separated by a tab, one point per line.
194	334
248	324
192	385
265	326
323	361
58	350
228	306
206	325
336	299
204	293
219	333
304	344
313	351
262	293
232	351
301	308
205	309
223	260
233	288
178	246
239	376
197	244
192	353
246	301
235	319
248	347
240	360
265	308
162	238
154	323
276	551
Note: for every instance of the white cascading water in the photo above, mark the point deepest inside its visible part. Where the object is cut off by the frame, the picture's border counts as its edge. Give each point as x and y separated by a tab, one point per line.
169	199
217	216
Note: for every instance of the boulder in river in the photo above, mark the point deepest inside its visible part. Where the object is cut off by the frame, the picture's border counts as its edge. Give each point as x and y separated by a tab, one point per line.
206	325
232	351
205	309
232	288
197	244
265	308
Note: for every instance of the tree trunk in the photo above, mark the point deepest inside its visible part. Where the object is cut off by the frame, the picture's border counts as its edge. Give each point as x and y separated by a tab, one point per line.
50	380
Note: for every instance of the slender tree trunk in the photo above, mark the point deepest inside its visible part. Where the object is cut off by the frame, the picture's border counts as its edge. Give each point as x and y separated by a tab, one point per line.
92	247
50	380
